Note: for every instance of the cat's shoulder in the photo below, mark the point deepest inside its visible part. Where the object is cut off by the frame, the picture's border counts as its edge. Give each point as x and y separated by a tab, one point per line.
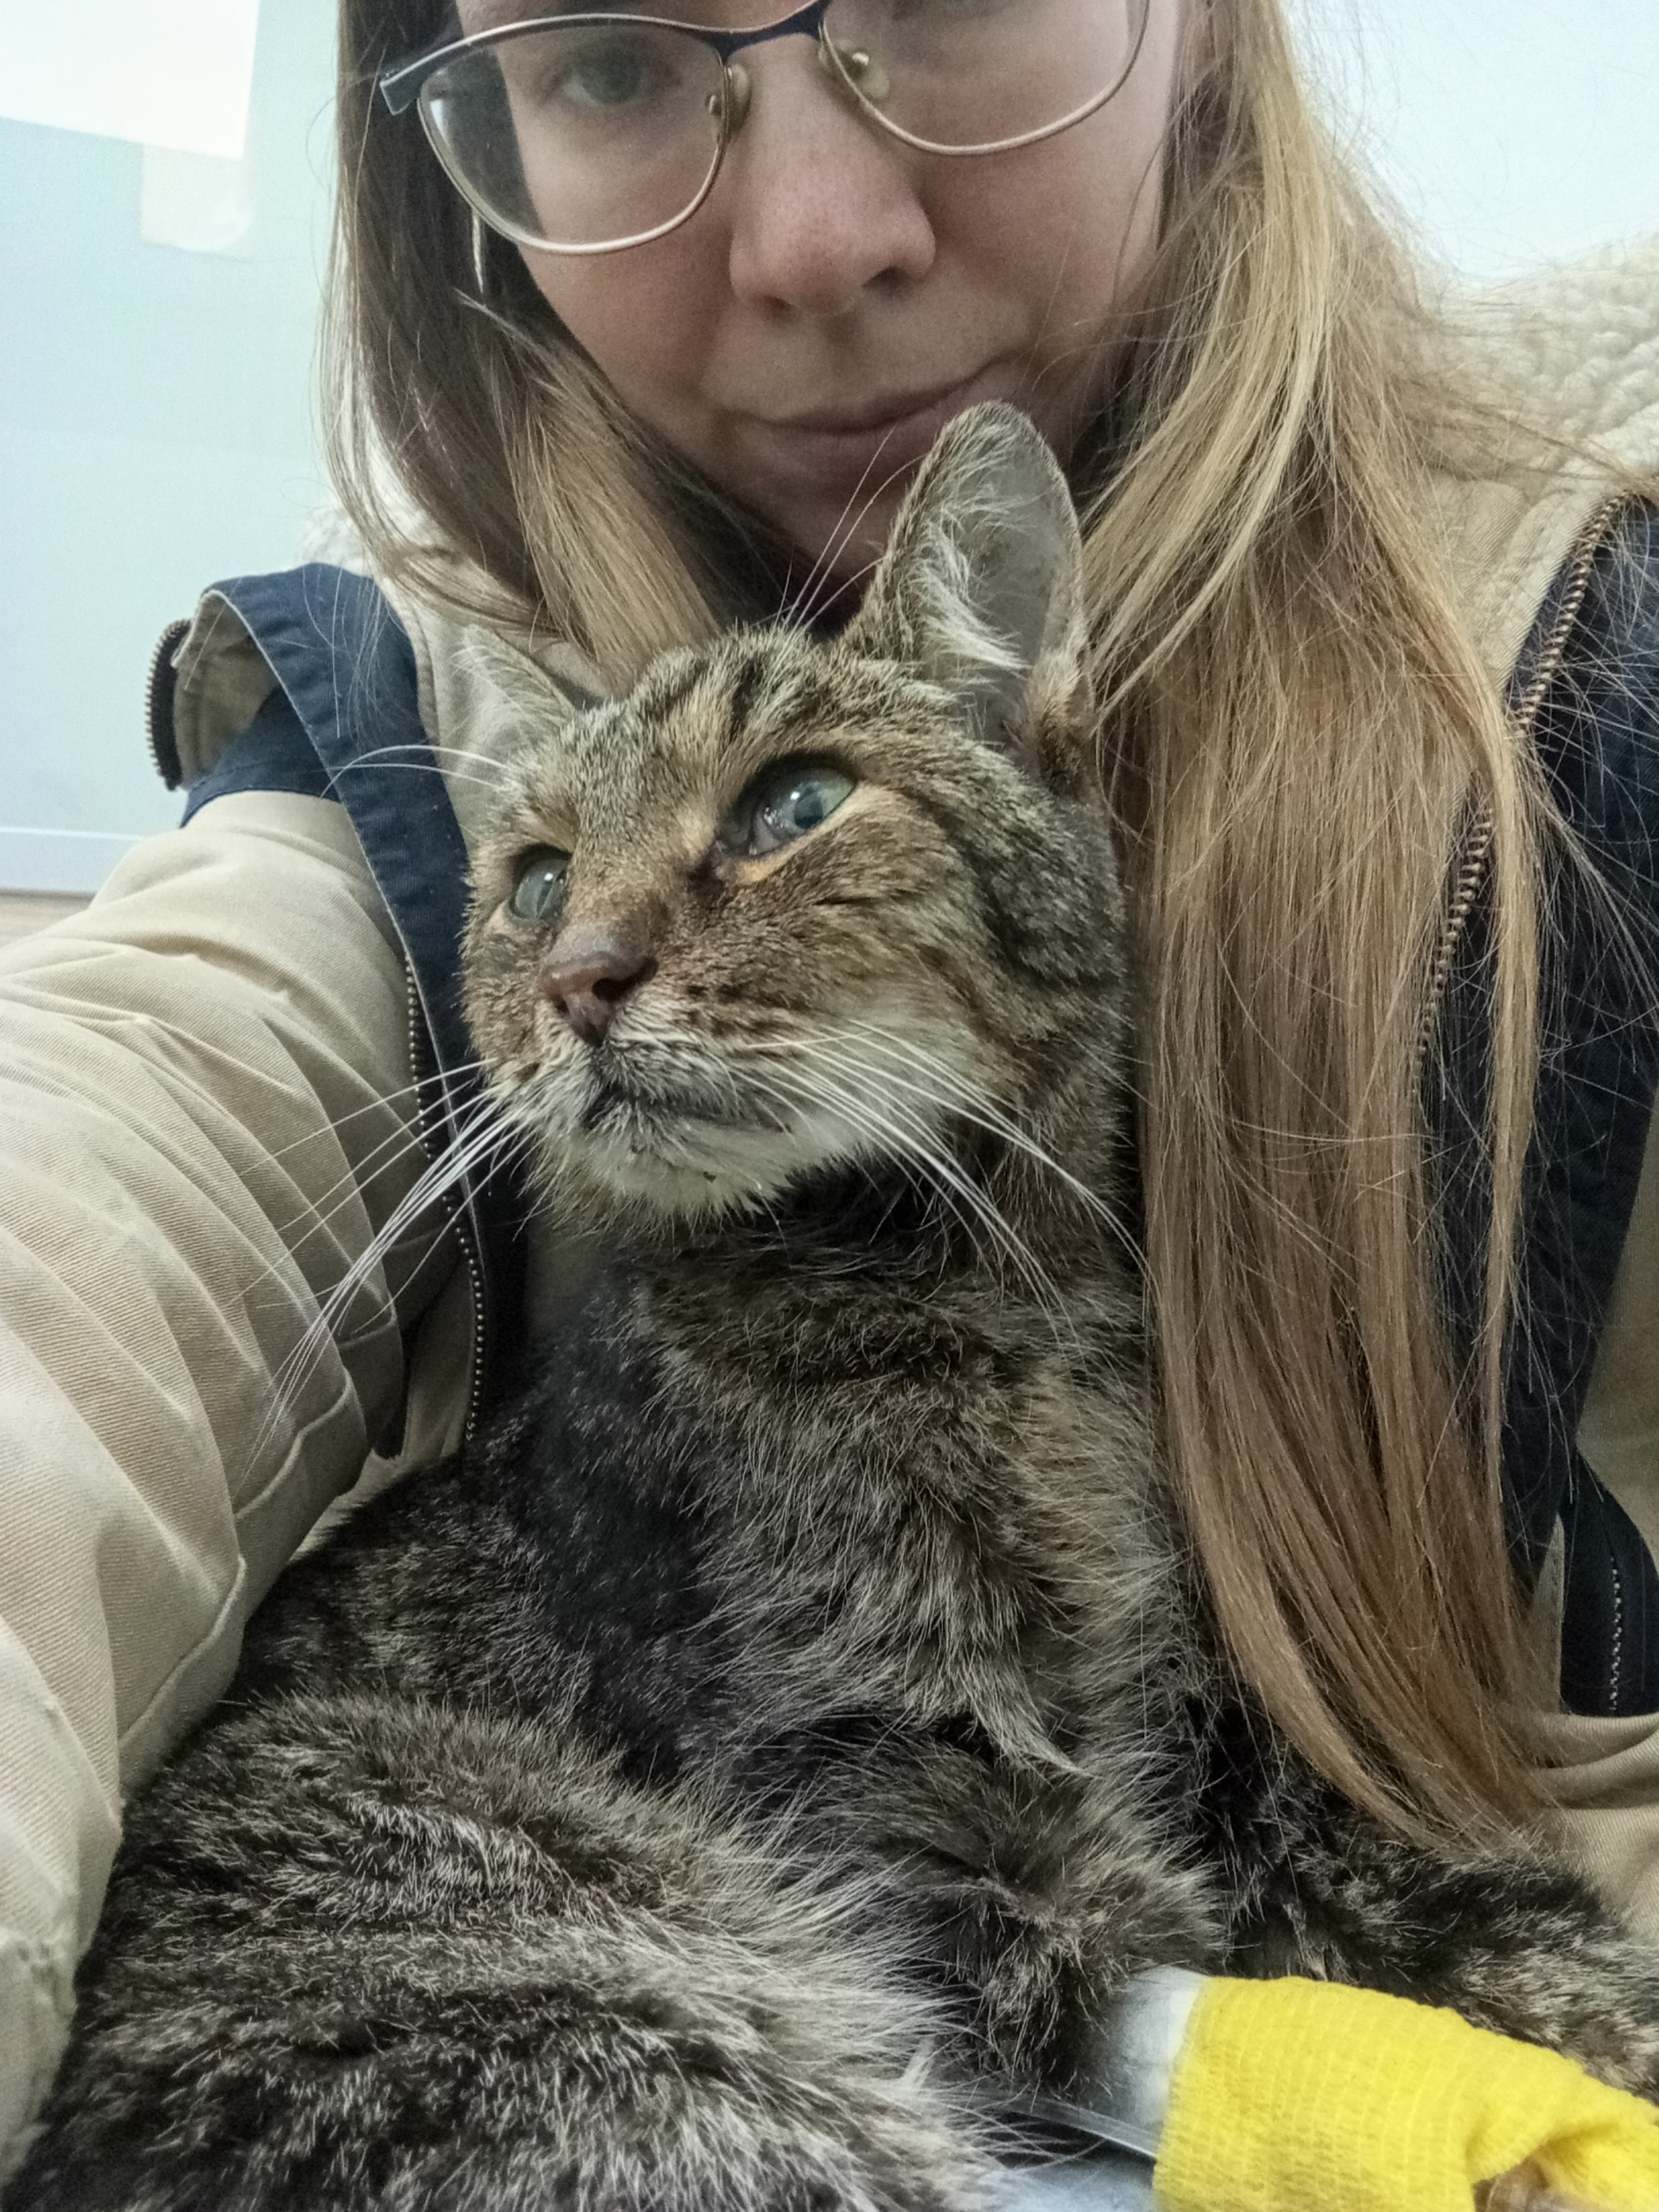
389	1592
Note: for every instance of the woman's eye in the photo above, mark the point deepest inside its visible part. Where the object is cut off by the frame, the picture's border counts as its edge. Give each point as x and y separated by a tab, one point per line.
939	11
608	76
539	883
785	804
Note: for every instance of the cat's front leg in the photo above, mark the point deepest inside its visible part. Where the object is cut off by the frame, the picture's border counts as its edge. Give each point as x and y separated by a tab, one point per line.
367	1954
1044	1890
1505	1938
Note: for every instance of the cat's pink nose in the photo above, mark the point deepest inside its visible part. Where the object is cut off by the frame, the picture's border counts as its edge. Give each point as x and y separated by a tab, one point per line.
588	974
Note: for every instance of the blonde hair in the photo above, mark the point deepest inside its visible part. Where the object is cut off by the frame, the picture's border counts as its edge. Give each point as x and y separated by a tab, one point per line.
1297	723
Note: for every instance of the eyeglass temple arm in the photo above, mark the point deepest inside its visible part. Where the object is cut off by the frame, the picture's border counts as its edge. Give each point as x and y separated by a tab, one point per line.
400	87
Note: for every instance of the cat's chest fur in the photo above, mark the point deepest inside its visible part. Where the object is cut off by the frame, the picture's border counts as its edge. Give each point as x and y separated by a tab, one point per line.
773	1513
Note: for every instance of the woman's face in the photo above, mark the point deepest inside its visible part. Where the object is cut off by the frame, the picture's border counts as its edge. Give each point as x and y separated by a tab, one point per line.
803	339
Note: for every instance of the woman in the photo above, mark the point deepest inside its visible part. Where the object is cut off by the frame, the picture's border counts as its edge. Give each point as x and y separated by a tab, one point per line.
595	401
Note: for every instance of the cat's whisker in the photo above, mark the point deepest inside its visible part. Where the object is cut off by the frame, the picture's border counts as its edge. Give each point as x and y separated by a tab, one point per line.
966	1102
876	1084
957	1095
797	613
914	1170
958	1100
376	1105
319	1226
495	784
293	1376
426	756
908	1133
501	770
316	1214
963	1094
335	1303
960	1094
815	1093
819	578
482	1139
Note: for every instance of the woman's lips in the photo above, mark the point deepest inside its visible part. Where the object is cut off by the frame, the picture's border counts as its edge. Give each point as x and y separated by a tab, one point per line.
877	441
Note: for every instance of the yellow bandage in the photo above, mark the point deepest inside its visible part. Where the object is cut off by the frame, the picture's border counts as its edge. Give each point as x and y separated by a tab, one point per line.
1297	2096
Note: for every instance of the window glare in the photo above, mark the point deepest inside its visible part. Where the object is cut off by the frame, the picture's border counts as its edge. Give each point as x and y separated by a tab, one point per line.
174	73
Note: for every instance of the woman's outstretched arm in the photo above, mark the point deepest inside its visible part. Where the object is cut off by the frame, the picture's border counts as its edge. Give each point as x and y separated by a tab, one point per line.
204	1096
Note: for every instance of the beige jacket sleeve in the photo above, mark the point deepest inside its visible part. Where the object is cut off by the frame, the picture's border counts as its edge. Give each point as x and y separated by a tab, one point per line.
203	1117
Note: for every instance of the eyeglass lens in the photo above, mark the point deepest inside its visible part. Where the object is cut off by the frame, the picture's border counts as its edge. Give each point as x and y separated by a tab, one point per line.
583	135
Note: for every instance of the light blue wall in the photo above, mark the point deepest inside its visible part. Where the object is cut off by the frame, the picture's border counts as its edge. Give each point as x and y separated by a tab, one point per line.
1514	132
156	410
155	432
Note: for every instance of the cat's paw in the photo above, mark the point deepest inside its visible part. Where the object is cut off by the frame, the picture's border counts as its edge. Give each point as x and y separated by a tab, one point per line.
1632	2064
1599	2004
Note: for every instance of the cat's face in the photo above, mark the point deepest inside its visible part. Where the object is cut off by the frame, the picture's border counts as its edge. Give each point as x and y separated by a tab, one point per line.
789	907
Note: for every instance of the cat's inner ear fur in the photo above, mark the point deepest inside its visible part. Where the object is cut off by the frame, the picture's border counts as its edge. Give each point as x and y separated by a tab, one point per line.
980	589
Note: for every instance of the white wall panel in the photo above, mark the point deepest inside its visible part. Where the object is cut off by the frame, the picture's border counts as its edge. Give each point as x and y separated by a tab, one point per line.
175	73
156	424
1513	131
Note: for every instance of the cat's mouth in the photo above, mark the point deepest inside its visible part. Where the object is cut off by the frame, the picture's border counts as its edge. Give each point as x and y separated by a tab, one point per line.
691	1126
680	1135
624	1097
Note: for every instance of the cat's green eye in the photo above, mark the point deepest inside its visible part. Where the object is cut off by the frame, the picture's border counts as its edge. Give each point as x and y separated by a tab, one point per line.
538	882
784	804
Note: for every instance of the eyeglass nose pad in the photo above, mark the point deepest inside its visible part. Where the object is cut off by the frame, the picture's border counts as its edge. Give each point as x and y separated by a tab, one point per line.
738	91
853	69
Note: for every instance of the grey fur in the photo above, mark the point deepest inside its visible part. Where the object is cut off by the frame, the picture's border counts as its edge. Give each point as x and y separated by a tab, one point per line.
798	1711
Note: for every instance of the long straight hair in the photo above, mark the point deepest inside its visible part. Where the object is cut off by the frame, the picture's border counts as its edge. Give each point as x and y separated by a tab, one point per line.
1295	723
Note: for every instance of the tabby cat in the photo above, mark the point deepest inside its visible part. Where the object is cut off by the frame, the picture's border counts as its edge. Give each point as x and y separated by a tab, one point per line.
795	1717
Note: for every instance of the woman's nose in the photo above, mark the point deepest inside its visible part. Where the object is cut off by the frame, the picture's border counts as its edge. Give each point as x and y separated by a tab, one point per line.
821	205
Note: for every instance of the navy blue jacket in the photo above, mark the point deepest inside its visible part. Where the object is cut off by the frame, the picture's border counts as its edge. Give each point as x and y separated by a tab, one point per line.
1592	667
344	724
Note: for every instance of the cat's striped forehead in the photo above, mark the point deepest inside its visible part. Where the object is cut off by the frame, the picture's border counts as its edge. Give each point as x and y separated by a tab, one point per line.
703	717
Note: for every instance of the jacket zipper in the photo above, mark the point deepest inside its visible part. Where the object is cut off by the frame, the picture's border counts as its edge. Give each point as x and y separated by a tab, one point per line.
1477	841
162	679
461	1219
1616	1660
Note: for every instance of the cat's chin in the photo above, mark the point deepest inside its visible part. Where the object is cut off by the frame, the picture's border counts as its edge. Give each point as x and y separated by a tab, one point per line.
680	1144
697	1174
644	1185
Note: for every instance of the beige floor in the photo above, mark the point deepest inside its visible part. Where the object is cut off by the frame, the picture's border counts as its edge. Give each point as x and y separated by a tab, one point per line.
21	913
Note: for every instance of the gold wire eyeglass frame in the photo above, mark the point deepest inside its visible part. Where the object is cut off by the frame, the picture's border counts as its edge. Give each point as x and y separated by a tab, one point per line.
411	83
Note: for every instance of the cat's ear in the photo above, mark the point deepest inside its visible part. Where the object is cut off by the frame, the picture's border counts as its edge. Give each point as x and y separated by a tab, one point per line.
981	588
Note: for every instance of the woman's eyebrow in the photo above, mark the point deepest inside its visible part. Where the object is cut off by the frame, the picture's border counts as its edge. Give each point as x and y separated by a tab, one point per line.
475	15
497	15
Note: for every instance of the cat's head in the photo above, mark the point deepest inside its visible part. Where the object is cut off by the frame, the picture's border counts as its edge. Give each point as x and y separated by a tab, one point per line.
789	907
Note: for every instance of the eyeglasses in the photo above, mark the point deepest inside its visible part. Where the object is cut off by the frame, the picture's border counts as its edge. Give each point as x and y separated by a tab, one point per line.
586	133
